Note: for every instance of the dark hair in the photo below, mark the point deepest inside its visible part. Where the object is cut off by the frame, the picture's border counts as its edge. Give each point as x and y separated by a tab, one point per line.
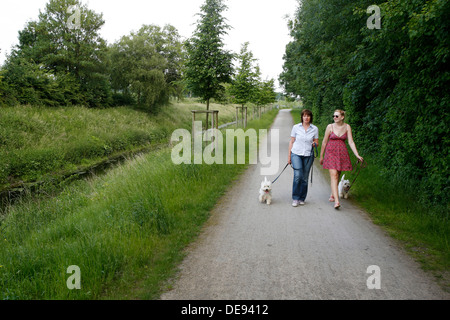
309	113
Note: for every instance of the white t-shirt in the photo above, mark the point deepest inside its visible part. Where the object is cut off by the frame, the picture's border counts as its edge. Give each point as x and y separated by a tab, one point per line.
304	139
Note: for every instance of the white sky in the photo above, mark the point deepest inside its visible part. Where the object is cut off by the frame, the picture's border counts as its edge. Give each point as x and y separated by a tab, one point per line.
260	22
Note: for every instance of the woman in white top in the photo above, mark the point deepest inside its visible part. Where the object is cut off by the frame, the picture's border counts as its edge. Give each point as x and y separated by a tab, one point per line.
304	137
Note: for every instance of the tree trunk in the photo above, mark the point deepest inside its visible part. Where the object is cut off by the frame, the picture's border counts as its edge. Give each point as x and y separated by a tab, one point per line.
207	114
242	116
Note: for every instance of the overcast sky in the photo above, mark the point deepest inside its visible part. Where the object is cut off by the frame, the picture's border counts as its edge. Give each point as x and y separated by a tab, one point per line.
261	22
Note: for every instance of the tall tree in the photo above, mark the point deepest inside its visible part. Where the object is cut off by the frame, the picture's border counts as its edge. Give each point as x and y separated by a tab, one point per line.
208	64
391	81
266	93
245	84
71	50
325	34
147	65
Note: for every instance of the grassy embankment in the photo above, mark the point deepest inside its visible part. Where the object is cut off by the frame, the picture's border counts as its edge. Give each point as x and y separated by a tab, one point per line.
125	230
38	144
423	231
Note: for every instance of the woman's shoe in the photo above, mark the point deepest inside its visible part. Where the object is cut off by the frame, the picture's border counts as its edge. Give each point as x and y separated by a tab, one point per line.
331	199
337	206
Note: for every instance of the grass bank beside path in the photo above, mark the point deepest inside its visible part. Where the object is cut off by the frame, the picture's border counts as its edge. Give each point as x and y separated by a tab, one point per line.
423	231
41	143
126	230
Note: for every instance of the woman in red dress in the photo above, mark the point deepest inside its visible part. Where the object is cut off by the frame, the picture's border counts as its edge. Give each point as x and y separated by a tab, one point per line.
336	157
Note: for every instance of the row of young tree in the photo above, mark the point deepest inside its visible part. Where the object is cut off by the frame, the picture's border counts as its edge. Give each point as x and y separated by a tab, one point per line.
209	71
59	63
392	80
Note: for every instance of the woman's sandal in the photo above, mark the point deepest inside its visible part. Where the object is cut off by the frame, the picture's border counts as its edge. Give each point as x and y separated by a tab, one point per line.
331	199
337	206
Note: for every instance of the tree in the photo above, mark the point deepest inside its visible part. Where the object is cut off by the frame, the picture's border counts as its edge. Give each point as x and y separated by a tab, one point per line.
5	90
392	81
208	65
72	55
266	93
147	65
317	61
408	96
245	84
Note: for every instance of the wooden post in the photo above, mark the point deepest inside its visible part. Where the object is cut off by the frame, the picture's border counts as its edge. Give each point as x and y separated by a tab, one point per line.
193	128
245	124
214	118
244	117
217	120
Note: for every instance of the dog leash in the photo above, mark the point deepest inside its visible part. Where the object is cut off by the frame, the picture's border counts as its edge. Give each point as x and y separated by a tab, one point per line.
315	155
280	173
362	165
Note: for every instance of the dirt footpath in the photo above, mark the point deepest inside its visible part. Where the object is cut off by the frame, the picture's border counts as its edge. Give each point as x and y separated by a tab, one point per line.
253	251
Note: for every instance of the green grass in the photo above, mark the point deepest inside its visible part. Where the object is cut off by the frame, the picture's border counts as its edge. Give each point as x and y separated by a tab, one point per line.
126	229
41	142
422	230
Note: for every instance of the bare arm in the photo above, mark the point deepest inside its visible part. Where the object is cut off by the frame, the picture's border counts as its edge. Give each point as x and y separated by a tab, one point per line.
352	144
291	144
325	142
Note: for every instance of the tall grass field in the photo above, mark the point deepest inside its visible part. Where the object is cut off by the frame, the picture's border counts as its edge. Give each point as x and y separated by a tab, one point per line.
125	230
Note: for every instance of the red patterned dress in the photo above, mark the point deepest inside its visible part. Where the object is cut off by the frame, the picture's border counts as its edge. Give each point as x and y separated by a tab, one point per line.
336	154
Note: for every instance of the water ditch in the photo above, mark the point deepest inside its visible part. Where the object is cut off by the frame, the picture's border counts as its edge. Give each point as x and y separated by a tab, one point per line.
11	194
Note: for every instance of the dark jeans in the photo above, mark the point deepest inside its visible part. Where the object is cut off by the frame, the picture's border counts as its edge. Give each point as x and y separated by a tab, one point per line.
302	167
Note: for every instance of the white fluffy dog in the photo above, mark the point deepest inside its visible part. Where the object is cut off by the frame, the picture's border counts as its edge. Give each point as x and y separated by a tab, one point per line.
344	187
265	193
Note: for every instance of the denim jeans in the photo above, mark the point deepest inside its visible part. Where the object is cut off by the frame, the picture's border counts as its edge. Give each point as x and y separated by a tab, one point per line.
302	167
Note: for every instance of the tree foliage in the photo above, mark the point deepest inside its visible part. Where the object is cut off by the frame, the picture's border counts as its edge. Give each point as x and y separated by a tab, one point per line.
63	61
147	65
244	86
52	56
208	64
265	93
247	85
392	81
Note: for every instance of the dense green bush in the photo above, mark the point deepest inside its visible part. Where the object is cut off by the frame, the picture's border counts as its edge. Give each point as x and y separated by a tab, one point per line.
121	99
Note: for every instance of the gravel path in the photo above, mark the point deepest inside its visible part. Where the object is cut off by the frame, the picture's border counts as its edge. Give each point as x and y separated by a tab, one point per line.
252	251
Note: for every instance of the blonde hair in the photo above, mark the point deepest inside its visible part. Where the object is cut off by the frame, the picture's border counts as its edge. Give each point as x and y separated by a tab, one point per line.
342	112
